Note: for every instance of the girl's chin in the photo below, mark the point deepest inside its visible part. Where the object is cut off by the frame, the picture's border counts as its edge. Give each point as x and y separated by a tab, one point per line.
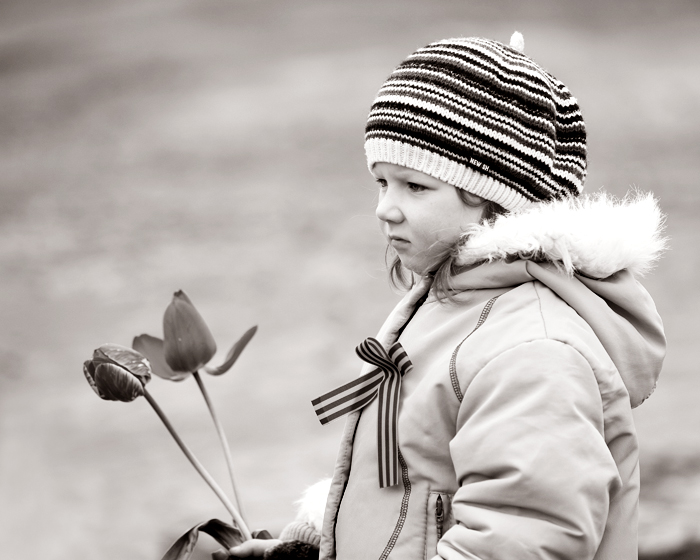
420	266
415	267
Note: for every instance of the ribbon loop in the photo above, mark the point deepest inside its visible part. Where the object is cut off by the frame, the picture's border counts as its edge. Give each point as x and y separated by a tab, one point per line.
384	383
371	351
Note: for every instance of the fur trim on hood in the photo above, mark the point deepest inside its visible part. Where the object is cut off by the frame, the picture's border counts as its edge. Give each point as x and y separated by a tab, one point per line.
595	236
312	504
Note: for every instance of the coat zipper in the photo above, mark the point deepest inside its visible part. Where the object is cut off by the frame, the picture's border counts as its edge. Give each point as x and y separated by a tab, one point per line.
439	516
404	509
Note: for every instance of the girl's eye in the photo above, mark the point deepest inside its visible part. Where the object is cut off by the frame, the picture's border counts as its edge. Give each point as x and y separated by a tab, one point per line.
415	187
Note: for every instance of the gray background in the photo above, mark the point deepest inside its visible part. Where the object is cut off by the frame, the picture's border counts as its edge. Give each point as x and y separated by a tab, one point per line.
148	146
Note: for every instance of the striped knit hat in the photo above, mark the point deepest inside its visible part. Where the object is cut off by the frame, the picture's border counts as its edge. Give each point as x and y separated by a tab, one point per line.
483	117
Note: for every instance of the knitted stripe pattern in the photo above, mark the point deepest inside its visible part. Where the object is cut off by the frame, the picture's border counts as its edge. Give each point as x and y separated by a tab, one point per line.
301	531
481	116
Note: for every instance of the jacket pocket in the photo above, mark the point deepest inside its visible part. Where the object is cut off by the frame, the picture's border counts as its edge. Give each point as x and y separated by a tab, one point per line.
439	519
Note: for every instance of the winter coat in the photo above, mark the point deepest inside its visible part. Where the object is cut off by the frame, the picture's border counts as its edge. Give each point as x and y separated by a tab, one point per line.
515	430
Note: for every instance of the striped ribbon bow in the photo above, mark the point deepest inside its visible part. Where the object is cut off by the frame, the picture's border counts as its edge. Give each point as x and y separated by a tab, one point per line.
384	383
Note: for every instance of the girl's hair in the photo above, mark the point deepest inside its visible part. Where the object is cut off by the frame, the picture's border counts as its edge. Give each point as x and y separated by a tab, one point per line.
442	284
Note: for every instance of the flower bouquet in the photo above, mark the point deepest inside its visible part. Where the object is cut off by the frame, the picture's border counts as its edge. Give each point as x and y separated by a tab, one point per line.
118	373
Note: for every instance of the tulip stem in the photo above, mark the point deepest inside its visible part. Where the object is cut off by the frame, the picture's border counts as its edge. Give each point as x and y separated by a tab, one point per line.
222	437
238	520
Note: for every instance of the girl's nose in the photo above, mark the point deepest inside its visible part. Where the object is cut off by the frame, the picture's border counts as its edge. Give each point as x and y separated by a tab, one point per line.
388	207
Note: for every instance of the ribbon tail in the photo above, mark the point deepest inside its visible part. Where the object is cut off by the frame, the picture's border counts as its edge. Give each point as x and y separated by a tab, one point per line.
347	398
387	432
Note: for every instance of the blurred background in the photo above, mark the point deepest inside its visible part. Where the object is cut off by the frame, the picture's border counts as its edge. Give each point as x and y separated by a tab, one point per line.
216	147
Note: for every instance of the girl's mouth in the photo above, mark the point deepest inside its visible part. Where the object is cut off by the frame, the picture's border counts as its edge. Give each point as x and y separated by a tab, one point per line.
397	241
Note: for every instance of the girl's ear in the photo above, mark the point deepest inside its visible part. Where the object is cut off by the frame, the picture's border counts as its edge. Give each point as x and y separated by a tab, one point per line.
469	199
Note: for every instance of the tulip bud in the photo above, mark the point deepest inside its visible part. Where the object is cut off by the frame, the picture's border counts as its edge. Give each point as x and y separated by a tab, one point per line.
188	342
117	373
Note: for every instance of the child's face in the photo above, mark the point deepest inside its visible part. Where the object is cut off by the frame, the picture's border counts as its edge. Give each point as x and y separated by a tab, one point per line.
420	216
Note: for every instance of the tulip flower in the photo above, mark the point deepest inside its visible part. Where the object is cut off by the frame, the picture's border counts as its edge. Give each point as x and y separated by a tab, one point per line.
118	373
186	347
189	343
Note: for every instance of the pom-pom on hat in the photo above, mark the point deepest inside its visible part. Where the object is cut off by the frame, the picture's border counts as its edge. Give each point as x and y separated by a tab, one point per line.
481	116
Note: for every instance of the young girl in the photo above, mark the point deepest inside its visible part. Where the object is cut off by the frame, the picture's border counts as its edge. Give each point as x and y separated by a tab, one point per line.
494	416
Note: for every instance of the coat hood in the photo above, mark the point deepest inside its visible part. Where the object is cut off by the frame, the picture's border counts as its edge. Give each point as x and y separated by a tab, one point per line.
590	252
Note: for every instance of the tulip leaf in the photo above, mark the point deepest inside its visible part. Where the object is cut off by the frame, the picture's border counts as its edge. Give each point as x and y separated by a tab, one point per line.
152	348
234	353
223	554
225	534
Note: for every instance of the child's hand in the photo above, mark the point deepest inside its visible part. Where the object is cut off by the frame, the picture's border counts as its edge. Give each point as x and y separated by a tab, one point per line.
254	548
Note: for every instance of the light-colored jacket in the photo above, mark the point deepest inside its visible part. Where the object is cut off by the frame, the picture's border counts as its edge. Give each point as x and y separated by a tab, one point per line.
515	429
